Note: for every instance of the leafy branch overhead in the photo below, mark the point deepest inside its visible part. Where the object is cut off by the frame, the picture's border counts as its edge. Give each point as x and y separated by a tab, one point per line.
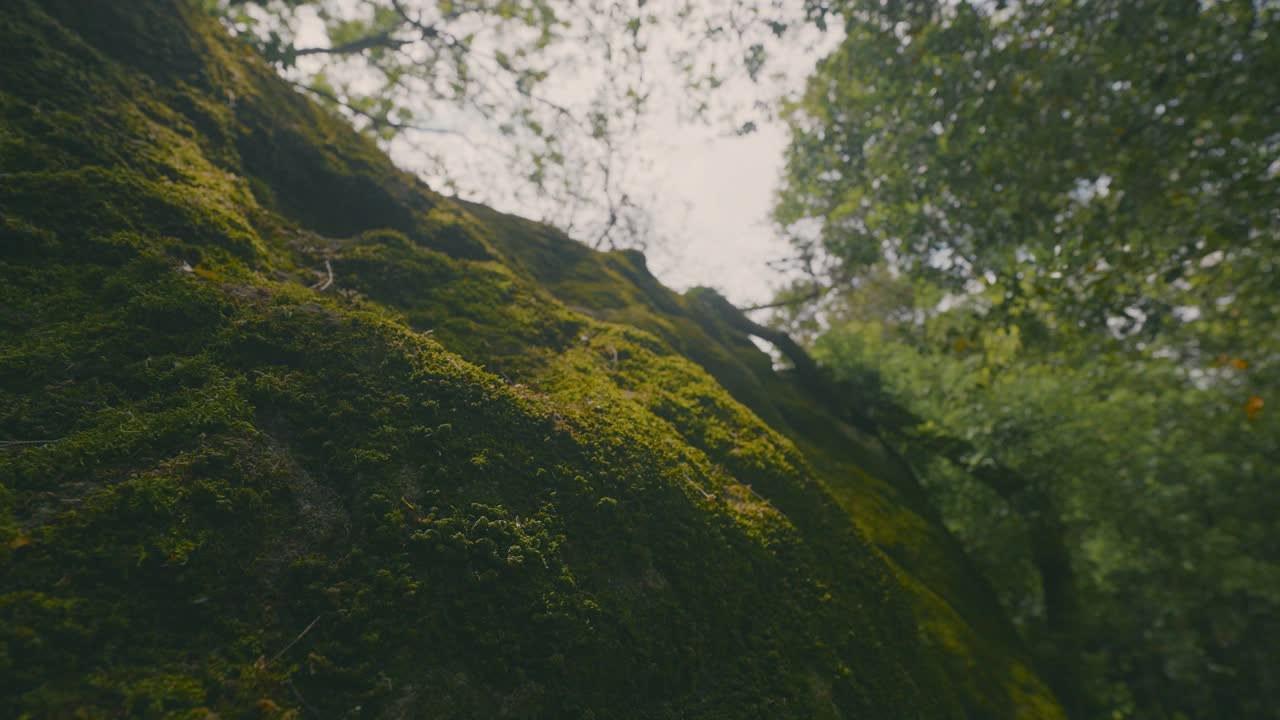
551	91
1050	232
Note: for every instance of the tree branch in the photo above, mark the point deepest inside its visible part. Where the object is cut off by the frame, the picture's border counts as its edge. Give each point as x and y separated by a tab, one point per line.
294	641
428	32
815	294
382	39
377	120
6	444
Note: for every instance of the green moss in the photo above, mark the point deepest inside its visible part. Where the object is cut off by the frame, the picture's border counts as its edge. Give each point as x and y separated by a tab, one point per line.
875	488
484	472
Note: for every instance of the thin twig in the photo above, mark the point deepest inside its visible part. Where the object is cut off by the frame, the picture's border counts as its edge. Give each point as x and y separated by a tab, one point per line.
19	443
604	234
429	32
293	642
699	488
375	120
327	283
382	39
815	294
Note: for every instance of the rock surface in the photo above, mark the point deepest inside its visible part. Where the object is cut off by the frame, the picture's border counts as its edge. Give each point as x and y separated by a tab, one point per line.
284	433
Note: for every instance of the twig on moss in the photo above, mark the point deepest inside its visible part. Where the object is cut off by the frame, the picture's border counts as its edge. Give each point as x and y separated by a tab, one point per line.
325	284
815	294
377	121
5	444
379	40
699	488
293	642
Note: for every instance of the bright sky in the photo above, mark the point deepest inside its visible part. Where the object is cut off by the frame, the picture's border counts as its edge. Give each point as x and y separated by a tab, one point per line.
722	237
709	191
710	194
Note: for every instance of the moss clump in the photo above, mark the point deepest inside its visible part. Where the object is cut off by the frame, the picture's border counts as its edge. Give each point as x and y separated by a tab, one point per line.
428	488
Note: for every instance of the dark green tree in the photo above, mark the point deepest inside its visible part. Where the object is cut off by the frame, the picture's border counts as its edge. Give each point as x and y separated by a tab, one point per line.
1051	229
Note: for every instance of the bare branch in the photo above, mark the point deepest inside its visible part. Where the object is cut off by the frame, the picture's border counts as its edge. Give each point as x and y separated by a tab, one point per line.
6	444
428	32
293	642
380	40
608	228
816	294
376	120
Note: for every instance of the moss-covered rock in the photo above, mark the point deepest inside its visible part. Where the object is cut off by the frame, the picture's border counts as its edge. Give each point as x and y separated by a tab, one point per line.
283	433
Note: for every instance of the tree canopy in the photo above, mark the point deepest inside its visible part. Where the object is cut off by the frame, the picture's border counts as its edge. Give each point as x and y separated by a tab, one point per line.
1050	230
1107	154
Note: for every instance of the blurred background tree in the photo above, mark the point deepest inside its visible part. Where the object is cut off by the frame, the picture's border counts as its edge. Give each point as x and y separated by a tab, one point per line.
1051	229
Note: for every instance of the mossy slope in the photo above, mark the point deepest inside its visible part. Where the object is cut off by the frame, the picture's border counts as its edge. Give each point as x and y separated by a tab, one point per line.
985	668
437	487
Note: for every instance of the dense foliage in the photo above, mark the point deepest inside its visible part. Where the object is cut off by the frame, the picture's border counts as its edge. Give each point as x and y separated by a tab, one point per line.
1052	230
